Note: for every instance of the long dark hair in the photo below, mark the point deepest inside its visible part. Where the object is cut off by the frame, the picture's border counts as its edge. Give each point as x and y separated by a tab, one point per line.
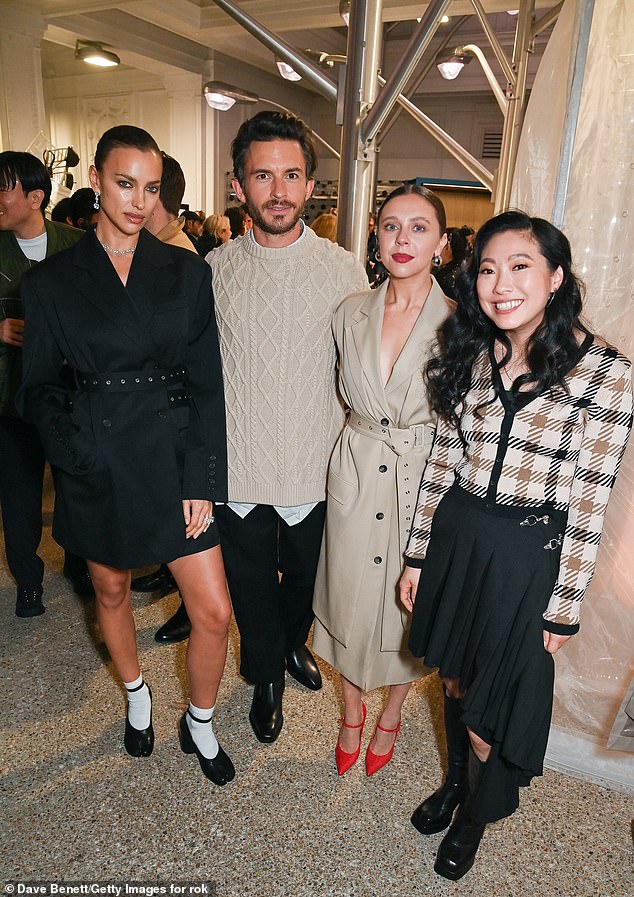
552	350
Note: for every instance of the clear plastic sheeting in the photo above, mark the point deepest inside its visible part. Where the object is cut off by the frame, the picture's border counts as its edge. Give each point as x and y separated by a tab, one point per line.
595	668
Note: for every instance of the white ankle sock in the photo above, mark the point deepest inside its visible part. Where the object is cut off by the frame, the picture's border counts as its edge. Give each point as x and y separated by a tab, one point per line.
139	703
201	730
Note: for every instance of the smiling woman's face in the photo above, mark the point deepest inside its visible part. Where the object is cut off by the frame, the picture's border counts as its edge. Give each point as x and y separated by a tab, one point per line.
514	283
409	235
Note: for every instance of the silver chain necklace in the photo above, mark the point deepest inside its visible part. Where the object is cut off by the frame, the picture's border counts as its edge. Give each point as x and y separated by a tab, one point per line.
112	251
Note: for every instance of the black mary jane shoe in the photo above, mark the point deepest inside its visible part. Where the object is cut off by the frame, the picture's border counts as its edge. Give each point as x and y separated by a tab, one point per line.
220	770
301	665
139	742
266	715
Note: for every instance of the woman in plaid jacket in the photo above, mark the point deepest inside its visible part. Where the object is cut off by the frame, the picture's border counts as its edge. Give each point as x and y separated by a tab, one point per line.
534	413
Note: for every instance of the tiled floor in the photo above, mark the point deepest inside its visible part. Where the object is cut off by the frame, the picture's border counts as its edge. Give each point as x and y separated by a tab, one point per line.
75	807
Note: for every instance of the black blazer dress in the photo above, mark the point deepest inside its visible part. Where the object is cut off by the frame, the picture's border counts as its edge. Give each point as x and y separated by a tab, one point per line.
124	385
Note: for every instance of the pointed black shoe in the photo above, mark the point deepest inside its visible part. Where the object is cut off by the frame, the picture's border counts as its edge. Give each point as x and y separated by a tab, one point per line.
220	770
160	581
436	811
458	849
301	665
29	602
266	716
139	742
177	628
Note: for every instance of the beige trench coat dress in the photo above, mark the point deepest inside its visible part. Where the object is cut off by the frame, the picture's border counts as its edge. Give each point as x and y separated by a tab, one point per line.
373	480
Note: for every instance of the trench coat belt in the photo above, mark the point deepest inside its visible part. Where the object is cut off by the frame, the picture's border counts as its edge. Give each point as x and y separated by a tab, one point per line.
129	381
401	441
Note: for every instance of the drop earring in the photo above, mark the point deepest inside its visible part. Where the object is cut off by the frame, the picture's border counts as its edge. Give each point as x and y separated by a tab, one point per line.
95	205
436	260
550	300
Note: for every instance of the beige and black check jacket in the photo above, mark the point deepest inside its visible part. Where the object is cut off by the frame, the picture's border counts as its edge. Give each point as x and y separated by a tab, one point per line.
559	448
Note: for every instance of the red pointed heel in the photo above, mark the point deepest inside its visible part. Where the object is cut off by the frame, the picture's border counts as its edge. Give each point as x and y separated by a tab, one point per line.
374	762
345	760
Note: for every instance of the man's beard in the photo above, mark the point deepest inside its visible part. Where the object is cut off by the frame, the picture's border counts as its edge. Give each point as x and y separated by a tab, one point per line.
280	224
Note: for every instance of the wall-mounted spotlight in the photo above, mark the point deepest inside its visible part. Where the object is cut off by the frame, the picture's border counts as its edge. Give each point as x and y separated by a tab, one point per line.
287	71
94	53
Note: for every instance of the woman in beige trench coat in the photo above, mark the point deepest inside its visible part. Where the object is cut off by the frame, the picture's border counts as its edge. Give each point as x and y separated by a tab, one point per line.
383	339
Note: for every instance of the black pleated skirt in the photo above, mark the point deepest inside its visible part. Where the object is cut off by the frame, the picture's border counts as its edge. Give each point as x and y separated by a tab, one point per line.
488	575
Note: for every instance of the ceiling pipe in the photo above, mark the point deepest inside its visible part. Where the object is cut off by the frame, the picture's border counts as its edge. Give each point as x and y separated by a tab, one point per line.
419	42
279	47
500	55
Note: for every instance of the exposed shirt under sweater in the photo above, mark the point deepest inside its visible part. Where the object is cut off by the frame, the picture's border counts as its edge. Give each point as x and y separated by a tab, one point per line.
274	309
559	448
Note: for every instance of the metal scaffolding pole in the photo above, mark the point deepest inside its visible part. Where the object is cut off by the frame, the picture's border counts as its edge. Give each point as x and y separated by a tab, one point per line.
515	113
356	171
302	65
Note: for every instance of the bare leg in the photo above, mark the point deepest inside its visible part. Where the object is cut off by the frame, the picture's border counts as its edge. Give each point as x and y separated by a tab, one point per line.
201	580
480	747
390	718
352	715
114	615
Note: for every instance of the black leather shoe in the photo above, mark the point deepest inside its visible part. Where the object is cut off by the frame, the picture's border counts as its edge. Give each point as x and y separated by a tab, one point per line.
301	665
139	742
220	770
266	716
160	581
80	581
177	628
29	602
436	812
458	848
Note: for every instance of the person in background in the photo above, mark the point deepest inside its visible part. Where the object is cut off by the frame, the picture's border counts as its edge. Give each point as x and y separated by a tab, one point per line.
167	226
383	337
534	413
216	231
139	439
83	213
26	238
454	256
325	225
248	220
61	211
193	228
237	217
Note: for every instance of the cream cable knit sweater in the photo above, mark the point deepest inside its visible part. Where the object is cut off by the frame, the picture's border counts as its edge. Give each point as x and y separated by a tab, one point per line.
274	309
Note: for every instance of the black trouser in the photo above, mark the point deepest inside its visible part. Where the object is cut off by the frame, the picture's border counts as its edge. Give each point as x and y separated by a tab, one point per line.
21	484
273	613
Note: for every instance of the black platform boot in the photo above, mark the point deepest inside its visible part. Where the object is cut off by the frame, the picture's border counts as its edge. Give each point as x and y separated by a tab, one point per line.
458	848
435	813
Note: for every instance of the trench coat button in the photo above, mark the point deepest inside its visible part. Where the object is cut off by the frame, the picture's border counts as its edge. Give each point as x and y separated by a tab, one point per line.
382	468
108	382
380	516
378	560
385	422
106	422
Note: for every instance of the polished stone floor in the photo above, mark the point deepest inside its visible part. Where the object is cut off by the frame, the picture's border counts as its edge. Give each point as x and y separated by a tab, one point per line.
76	808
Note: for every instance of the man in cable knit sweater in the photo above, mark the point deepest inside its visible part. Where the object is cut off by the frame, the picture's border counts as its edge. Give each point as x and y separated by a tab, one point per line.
275	291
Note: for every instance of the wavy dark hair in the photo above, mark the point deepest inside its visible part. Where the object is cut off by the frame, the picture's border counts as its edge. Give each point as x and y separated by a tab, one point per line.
553	349
271	125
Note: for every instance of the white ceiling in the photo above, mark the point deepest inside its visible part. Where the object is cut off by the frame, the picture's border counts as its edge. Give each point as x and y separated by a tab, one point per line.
164	36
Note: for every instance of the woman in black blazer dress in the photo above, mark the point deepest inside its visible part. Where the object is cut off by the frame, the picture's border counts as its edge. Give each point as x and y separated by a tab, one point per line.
122	379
